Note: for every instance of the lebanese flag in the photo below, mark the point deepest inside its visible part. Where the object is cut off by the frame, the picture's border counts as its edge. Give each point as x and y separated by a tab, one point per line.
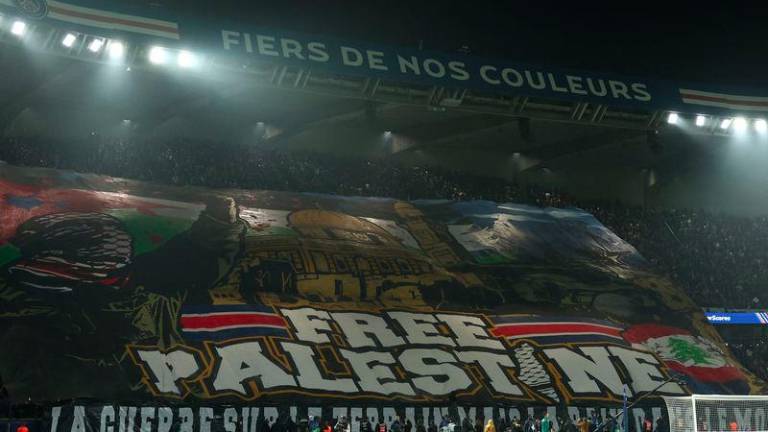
685	353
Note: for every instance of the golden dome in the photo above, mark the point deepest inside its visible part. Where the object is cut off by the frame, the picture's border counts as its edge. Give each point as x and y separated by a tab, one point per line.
307	220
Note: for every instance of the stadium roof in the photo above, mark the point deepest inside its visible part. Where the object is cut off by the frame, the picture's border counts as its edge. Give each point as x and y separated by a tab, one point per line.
67	97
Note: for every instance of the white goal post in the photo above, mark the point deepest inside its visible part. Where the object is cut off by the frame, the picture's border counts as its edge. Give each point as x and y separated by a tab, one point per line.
717	413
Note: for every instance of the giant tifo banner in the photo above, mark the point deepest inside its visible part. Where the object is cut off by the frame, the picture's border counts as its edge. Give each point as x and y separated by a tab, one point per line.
122	292
257	45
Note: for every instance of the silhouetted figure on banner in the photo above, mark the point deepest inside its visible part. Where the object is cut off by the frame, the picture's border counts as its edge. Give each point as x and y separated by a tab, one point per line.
81	288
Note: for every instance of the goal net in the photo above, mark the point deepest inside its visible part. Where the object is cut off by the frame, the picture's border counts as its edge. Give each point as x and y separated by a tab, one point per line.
717	413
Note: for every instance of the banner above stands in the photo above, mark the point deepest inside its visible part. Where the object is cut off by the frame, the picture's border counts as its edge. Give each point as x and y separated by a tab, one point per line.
438	69
393	64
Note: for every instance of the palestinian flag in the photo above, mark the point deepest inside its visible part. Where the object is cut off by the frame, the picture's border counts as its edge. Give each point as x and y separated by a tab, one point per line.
701	363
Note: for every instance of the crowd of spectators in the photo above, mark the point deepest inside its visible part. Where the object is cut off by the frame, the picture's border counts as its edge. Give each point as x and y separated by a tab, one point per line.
205	163
750	346
753	354
537	422
721	260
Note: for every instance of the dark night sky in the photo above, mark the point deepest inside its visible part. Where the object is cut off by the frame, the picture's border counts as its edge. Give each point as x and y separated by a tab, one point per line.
683	41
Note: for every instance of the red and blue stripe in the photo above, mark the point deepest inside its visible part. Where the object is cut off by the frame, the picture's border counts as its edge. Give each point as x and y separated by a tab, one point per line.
231	321
557	330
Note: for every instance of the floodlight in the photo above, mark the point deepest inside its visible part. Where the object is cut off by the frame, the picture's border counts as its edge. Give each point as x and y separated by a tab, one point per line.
96	45
761	126
739	124
158	55
69	40
19	28
186	59
672	118
116	50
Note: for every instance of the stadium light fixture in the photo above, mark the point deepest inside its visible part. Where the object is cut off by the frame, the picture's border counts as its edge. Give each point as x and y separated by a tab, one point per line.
672	118
158	55
19	28
116	50
69	40
739	124
96	45
186	59
701	120
761	126
726	123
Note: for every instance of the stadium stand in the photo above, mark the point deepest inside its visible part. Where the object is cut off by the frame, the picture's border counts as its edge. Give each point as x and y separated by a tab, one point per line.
198	270
719	259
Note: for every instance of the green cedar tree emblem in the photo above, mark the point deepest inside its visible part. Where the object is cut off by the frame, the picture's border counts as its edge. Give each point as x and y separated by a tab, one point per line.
686	351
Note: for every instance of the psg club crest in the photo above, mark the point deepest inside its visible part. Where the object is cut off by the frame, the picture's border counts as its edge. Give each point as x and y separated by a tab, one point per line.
32	8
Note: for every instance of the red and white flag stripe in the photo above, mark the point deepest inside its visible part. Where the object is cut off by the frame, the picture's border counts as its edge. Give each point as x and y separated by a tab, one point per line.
218	321
91	17
538	329
722	100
